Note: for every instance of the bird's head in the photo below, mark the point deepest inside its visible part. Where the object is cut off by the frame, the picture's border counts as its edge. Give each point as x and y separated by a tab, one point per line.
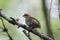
26	15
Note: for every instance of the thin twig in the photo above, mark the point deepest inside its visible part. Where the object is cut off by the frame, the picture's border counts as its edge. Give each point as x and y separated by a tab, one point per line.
6	30
27	35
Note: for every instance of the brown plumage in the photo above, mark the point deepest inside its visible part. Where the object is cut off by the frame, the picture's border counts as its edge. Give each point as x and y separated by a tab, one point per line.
31	21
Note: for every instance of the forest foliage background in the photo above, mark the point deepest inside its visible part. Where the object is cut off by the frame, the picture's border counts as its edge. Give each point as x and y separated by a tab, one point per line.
16	8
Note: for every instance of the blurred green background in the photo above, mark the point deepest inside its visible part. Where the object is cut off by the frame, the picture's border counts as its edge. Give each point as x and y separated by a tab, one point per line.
16	8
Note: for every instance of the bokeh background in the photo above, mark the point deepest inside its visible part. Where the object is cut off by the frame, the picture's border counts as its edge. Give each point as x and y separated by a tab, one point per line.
16	8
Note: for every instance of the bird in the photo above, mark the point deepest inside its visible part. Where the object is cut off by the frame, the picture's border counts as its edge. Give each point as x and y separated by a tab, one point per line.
32	22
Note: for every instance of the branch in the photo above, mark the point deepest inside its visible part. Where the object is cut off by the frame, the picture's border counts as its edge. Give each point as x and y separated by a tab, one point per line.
27	35
47	18
6	30
59	7
25	27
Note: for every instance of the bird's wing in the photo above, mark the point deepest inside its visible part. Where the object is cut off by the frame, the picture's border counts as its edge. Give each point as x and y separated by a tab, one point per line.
35	21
